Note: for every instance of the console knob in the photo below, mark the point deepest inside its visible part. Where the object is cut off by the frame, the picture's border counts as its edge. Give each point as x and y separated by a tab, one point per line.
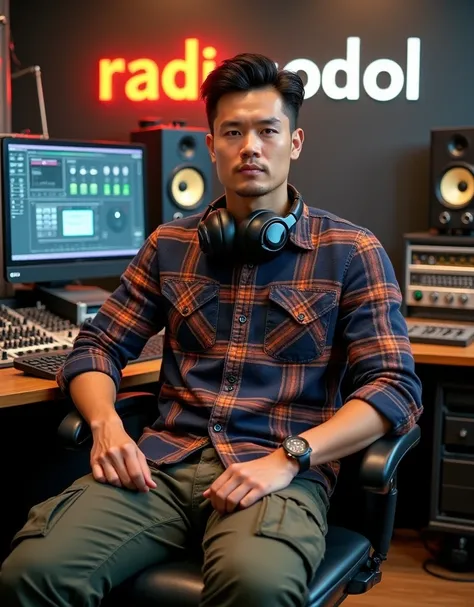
449	298
463	298
434	296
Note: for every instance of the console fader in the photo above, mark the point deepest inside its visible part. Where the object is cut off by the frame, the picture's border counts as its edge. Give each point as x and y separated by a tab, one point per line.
31	330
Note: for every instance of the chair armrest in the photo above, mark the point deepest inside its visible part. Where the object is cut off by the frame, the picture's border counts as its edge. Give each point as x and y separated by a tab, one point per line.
74	432
381	460
378	476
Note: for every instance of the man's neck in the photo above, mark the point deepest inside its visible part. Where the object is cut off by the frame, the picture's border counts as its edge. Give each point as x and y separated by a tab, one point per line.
241	206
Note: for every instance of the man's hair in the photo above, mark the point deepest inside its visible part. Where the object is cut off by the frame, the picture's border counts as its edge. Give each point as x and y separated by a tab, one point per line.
249	71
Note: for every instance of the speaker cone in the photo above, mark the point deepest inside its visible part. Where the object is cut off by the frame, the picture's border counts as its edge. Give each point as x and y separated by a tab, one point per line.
187	147
187	187
457	187
458	145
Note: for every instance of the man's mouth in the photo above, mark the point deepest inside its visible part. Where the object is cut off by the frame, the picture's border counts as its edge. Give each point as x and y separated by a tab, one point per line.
250	169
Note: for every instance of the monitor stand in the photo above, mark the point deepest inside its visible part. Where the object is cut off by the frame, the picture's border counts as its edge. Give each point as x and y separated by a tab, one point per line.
72	302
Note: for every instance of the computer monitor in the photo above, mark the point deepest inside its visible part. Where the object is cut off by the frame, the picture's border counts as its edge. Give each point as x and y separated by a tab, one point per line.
71	210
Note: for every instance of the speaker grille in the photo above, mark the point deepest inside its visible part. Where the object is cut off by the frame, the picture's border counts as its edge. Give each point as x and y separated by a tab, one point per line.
457	187
187	187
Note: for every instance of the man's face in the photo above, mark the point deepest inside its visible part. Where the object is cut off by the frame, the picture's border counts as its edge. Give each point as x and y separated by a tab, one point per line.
253	144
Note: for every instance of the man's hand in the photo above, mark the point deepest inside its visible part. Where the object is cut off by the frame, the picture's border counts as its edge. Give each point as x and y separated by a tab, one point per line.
241	485
117	460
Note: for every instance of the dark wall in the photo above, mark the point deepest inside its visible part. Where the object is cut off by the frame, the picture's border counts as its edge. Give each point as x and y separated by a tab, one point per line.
364	159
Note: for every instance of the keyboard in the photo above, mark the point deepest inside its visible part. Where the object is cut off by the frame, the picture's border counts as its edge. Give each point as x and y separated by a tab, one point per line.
46	365
443	334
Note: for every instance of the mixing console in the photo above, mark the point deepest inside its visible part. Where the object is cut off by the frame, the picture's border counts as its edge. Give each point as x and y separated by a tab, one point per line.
39	315
32	330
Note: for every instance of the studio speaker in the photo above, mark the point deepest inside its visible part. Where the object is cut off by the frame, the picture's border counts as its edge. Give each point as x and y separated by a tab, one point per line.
452	180
179	171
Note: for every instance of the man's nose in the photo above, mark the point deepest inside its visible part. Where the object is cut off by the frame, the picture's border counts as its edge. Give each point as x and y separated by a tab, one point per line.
251	146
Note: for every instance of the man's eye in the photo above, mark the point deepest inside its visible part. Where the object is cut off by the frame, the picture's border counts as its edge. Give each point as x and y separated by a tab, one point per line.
232	133
270	131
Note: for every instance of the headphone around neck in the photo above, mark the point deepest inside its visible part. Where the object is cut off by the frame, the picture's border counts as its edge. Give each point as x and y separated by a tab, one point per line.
259	237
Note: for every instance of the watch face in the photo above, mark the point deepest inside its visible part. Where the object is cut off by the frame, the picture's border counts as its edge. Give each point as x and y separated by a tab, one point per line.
296	445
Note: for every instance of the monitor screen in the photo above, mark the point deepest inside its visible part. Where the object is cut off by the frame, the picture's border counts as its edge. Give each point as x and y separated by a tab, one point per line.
71	210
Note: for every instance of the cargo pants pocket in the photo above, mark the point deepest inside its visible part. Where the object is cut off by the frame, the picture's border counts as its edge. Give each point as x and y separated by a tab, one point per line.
296	519
43	516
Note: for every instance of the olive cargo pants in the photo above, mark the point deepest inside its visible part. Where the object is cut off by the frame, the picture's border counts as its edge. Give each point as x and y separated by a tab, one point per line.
78	545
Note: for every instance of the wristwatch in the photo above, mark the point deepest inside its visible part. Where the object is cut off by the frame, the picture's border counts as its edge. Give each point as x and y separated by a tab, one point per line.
297	447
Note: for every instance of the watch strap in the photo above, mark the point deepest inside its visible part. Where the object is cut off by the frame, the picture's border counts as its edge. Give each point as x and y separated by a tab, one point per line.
304	461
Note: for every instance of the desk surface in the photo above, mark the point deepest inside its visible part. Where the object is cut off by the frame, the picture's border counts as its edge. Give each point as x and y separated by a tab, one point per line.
19	389
16	388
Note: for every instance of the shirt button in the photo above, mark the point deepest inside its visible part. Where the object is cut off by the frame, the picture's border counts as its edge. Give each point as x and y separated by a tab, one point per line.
250	265
185	310
300	316
217	427
230	388
242	319
232	379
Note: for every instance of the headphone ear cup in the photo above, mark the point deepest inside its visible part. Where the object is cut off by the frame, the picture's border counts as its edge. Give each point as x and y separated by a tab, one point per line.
275	234
250	233
217	233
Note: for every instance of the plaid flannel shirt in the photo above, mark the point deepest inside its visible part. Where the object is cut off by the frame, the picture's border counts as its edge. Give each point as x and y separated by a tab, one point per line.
254	353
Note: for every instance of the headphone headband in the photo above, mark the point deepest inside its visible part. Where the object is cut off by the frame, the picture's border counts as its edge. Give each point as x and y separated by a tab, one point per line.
258	237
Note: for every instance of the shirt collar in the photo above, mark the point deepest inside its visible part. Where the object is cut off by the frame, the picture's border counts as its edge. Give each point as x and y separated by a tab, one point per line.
301	234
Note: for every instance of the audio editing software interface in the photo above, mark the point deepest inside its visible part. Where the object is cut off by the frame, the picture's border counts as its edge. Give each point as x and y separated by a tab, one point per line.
71	201
71	210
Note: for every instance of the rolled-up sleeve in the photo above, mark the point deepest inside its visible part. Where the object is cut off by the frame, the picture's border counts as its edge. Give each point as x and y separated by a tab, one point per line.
380	359
124	323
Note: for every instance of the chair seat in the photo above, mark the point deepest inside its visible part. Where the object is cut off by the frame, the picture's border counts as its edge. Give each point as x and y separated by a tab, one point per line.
346	554
179	584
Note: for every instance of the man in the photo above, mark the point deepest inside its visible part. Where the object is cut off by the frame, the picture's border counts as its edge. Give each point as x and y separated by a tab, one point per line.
267	303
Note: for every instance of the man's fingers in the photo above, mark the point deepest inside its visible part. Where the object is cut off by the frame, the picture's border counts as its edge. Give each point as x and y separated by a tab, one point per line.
115	458
252	496
146	470
135	472
220	480
138	469
234	498
219	497
111	474
98	473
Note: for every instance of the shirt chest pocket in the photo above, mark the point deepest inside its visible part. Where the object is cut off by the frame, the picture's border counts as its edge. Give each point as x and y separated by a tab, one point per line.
193	313
297	323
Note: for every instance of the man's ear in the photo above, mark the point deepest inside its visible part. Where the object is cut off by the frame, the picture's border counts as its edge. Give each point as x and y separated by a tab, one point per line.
210	146
297	139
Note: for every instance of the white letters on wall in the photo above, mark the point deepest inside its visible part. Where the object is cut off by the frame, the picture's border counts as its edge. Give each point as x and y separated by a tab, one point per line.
407	79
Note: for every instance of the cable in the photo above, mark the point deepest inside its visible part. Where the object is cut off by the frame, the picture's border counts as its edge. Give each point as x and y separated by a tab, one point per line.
433	560
442	576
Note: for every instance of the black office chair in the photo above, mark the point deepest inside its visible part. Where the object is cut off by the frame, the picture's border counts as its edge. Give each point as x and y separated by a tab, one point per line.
357	541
